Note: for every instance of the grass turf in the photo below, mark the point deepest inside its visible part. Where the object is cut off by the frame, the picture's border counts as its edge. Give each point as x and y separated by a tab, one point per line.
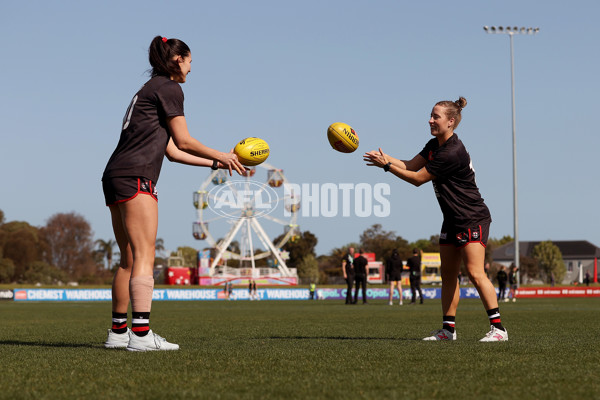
302	349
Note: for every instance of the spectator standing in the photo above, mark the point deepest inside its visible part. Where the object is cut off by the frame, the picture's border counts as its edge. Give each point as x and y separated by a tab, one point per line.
414	271
394	267
587	278
512	281
348	273
254	291
226	290
502	278
360	277
311	290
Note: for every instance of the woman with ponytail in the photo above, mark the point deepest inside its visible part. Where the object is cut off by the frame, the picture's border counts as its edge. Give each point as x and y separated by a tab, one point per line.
394	267
154	127
446	163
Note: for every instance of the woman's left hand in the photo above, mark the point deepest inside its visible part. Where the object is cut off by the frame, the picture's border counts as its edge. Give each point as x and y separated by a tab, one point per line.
376	158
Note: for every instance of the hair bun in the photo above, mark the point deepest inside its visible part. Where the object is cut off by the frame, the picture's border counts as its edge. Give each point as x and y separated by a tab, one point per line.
461	102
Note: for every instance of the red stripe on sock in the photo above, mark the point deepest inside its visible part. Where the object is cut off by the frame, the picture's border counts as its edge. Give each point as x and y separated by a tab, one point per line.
140	328
495	321
121	326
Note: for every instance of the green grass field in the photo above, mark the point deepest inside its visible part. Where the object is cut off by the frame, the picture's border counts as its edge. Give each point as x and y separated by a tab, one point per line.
301	349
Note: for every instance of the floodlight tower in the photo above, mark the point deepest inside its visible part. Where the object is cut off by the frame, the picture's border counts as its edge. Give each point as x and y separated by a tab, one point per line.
511	31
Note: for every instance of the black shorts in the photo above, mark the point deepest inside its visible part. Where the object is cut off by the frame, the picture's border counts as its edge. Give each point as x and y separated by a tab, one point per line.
395	277
460	237
124	188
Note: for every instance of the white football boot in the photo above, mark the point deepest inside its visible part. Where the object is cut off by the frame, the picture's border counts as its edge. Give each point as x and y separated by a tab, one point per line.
149	342
495	335
442	334
117	340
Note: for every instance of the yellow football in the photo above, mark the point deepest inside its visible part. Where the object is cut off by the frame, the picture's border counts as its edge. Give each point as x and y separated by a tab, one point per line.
342	137
252	151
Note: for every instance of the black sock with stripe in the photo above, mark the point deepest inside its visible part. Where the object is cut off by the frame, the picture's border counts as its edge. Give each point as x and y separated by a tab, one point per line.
140	323
448	323
119	322
494	316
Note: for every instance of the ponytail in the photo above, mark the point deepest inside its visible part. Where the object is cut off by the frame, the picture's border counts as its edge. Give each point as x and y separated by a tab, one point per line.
162	53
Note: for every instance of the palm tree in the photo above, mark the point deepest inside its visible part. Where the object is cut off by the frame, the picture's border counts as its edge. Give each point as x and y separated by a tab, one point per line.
159	246
234	246
105	247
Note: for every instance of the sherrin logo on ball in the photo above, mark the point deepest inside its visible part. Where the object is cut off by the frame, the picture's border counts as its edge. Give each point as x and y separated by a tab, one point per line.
342	137
252	151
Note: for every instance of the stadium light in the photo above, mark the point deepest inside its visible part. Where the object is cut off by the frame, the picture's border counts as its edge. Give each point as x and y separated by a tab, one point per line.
511	32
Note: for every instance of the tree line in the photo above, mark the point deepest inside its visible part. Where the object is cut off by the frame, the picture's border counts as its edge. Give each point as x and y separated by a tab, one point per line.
59	252
64	251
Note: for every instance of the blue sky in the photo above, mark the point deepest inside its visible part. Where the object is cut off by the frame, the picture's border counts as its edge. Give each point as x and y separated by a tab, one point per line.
284	71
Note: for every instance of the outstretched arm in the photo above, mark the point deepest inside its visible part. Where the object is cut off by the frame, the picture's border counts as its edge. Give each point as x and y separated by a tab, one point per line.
412	171
175	155
185	143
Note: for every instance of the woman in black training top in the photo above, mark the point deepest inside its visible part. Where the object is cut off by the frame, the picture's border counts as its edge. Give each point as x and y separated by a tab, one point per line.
445	162
154	126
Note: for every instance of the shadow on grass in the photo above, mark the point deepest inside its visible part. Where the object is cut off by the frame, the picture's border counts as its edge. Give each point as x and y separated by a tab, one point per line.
336	338
50	345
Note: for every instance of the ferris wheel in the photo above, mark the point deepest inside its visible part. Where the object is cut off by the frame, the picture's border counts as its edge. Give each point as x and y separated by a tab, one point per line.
246	207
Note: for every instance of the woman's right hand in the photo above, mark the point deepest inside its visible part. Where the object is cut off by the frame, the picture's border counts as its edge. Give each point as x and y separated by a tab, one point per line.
230	161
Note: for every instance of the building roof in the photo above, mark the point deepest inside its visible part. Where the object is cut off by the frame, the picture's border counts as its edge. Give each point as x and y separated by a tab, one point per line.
570	249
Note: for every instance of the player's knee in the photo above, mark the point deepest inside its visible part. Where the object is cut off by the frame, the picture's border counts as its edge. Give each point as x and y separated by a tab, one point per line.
449	275
478	278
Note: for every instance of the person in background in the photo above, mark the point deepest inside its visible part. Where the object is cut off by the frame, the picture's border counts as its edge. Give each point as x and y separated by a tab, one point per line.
414	271
360	276
254	291
587	278
250	294
226	290
311	290
229	290
512	281
394	268
348	273
502	278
